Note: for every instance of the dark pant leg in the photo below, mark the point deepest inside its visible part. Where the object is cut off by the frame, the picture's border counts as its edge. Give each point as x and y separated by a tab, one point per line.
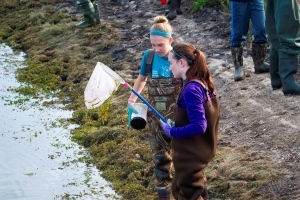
258	21
240	16
190	191
271	25
288	28
288	33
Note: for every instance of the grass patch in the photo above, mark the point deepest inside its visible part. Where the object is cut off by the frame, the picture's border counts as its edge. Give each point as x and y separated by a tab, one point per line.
224	4
238	173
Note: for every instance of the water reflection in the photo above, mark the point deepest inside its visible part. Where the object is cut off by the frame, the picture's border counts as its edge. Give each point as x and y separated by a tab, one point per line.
38	161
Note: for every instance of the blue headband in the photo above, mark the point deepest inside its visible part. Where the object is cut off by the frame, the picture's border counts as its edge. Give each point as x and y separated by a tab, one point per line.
160	33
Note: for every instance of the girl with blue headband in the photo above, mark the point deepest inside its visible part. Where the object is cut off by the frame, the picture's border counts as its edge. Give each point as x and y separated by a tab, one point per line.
162	92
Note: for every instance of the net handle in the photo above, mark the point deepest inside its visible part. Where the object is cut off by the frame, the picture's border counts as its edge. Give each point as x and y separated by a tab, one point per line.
118	78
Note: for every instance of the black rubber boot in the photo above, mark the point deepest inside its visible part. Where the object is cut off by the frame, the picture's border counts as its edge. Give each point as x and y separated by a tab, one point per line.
172	5
259	55
274	70
237	57
288	65
178	9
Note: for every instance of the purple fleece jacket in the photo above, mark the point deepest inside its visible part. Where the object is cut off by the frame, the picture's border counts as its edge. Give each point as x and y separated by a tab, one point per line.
192	99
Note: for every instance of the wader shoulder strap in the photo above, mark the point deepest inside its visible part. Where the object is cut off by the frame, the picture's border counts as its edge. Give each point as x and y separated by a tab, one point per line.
205	87
149	61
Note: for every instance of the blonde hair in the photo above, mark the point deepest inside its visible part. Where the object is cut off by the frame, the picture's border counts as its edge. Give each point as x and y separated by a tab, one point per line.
161	23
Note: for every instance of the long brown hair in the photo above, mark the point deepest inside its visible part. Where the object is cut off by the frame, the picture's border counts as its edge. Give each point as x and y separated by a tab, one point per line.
197	62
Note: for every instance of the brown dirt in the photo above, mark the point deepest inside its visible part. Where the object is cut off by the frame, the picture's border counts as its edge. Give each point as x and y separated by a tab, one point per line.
254	117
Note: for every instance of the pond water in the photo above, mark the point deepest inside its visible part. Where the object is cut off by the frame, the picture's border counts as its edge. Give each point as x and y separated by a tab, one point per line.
38	160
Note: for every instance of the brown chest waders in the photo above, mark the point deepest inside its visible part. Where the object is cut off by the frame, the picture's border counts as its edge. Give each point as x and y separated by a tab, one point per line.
191	155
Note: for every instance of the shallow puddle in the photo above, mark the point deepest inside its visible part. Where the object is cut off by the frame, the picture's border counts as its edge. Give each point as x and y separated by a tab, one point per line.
38	160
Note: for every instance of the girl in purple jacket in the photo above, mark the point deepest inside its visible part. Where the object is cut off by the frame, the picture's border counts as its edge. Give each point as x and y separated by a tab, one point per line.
194	131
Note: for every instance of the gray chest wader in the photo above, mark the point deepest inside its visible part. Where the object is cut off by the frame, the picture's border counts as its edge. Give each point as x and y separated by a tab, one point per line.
191	155
162	94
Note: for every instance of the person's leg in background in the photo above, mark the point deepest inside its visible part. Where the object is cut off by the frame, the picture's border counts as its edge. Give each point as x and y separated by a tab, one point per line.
288	31
97	13
260	42
90	12
161	149
272	36
173	9
240	15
